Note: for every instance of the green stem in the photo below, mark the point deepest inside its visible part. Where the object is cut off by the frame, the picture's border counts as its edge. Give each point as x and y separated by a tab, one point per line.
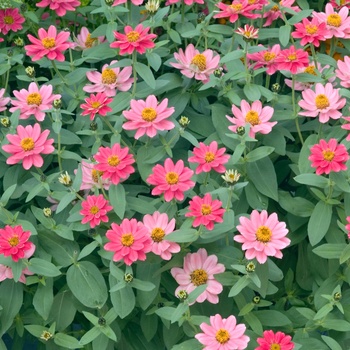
115	132
229	198
205	183
267	83
134	60
296	118
314	54
58	72
59	152
7	77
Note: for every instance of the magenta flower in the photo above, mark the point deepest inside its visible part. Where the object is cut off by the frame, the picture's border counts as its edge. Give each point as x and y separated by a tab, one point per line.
276	340
6	273
59	6
324	102
34	101
10	19
3	100
343	72
275	11
238	8
84	41
15	242
262	236
310	32
110	80
158	227
147	117
341	4
198	269
291	59
129	241
28	146
50	44
209	158
192	63
347	227
92	178
114	163
223	334
134	39
95	210
328	156
96	104
206	211
134	2
186	2
266	58
171	179
254	115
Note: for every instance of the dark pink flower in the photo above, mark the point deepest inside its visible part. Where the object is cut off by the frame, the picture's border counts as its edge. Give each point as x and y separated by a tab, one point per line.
10	19
95	210
275	11
238	8
266	58
276	341
291	59
347	227
60	6
96	104
310	32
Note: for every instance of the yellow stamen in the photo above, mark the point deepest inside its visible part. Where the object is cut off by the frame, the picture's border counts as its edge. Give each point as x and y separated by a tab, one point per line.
321	101
172	178
292	57
252	117
94	209
275	8
200	61
275	346
199	277
148	114
328	155
95	104
27	144
113	160
9	20
222	336
311	29
108	76
263	234
236	7
334	20
127	239
157	234
13	241
268	56
34	99
133	36
206	209
209	157
89	42
96	174
48	43
310	70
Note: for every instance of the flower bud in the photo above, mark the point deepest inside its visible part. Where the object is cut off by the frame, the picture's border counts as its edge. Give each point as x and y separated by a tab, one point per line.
256	299
241	130
5	122
182	295
46	335
102	321
276	88
47	212
9	52
30	71
65	179
184	121
18	42
93	126
128	277
57	104
250	267
201	17
152	6
337	296
109	2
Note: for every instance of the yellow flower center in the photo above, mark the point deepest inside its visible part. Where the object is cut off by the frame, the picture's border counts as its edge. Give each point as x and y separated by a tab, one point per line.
157	234
292	57
127	239
13	241
172	178
209	157
113	160
321	101
263	234
108	76
222	336
89	42
334	20
8	20
236	7
48	43
95	104
252	117
311	29
200	61
27	144
94	209
275	346
96	174
268	56
206	209
328	155
132	36
310	70
199	277
34	99
275	8
251	2
148	114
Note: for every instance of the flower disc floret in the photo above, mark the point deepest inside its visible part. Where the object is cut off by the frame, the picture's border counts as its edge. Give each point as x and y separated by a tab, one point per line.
95	210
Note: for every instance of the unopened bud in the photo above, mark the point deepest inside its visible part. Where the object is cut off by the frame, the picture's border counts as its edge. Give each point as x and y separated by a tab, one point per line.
57	104
9	52
46	335
18	42
109	2
65	179
276	88
184	121
201	17
241	130
182	295
47	212
256	299
337	296
30	71
250	267
102	321
5	122
93	126
128	277
218	72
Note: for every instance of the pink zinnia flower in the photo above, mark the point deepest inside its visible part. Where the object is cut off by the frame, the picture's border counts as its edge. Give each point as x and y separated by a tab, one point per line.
6	273
209	158
60	6
84	41
34	101
248	32
186	2
95	210
3	100
310	32
96	104
223	334
266	58
110	80
10	19
276	340
275	11
134	39
50	44
324	102
341	4
236	9
291	59
115	163
28	145
346	127
198	269
192	63
328	156
15	242
262	236
206	211
254	115
92	178
134	2
147	117
347	227
129	241
343	72
171	179
158	227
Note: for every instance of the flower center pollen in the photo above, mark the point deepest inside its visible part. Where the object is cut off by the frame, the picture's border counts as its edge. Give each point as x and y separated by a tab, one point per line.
157	234
321	101
94	209
200	61
268	56
8	20
252	117
95	104
292	57
48	43
172	178
328	155
34	99
95	175
13	241
113	160
132	36
209	157
275	8
310	70
148	114
275	346
27	144
108	76
89	42
263	234
236	7
199	277
334	20
206	209
311	29
127	239
222	336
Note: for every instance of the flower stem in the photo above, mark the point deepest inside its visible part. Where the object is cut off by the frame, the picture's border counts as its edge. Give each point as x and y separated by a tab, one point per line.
134	60
313	54
296	118
58	72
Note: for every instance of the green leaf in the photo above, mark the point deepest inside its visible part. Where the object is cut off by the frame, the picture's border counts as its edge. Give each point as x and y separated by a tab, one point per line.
123	300
166	312
252	92
196	293
64	232
297	206
192	344
87	250
43	298
183	235
67	341
345	254
258	153
117	199
43	267
178	312
303	162
35	330
336	324
334	345
233	55
312	180
254	323
142	285
67	138
65	201
323	311
284	34
319	222
272	318
90	335
70	155
239	286
146	74
330	250
7	194
77	75
340	180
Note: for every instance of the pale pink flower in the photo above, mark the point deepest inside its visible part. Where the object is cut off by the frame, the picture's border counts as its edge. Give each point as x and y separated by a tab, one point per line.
3	100
223	334
277	340
262	236
346	126
110	80
347	227
343	72
341	4
291	59
209	158
134	39
92	178
172	180
6	273
14	242
148	117
310	32
129	241
10	19
158	227
96	104
237	9
134	2
266	58
255	115
59	6
206	211
84	41
198	269
34	101
192	63
248	32
275	11
50	44
328	156
324	102
115	163
28	146
95	210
